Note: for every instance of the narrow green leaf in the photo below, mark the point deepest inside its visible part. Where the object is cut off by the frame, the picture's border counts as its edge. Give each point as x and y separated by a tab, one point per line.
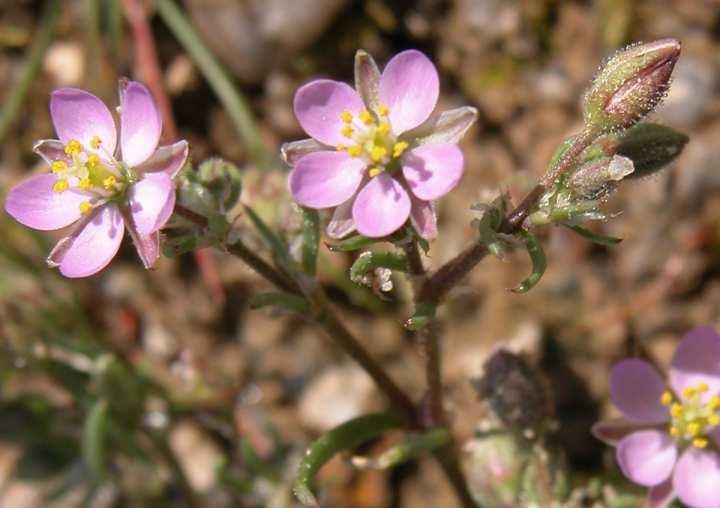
594	237
348	435
424	314
280	299
310	240
368	261
537	256
276	244
350	244
94	437
408	449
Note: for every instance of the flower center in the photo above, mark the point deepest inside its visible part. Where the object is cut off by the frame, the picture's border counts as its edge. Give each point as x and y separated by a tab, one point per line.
87	172
693	415
370	137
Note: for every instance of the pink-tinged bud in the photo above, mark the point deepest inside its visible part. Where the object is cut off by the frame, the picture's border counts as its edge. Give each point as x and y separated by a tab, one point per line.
630	85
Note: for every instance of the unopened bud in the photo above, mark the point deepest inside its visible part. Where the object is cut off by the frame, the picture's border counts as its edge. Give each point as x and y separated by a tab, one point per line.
598	177
630	85
651	147
222	179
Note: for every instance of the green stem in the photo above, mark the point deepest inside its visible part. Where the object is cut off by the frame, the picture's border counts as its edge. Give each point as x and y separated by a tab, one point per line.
92	41
42	39
234	102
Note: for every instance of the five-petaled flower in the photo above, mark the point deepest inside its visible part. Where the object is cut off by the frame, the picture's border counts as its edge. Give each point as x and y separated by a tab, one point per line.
98	189
669	438
376	155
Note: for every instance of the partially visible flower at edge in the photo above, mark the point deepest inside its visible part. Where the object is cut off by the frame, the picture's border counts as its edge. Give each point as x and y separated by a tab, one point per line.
94	187
669	438
375	155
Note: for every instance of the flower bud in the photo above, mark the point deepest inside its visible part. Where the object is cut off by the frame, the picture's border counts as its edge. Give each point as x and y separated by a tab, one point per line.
651	147
598	177
630	85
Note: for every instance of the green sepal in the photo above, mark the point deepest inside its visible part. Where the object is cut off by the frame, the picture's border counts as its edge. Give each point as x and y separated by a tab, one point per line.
594	237
424	314
343	437
355	242
368	261
539	263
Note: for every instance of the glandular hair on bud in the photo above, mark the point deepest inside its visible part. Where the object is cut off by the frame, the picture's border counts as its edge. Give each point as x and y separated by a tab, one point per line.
596	178
630	85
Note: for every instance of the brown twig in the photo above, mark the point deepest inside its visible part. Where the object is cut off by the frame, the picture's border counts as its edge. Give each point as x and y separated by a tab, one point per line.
148	68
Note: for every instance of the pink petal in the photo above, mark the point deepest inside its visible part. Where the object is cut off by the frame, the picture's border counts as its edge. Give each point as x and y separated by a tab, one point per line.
140	123
635	389
342	224
90	248
697	478
409	86
647	457
34	204
79	115
151	201
660	496
423	218
697	360
433	170
613	430
381	207
168	158
325	179
50	150
318	106
147	246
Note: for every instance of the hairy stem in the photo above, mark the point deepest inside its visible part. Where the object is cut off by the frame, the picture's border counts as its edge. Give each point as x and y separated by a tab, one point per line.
455	270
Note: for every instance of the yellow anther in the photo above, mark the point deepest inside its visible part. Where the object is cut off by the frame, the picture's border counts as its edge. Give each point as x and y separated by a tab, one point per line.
347	131
399	148
674	431
95	142
666	398
109	182
340	148
713	419
377	153
85	184
374	172
346	116
714	402
676	410
73	147
58	166
702	388
366	117
85	207
700	442
693	429
93	160
688	392
354	151
383	128
60	186
383	110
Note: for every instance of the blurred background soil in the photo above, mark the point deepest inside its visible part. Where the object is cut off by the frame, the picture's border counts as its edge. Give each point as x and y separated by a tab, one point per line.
236	372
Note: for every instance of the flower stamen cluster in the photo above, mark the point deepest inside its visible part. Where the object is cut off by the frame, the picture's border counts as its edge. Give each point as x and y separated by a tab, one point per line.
692	416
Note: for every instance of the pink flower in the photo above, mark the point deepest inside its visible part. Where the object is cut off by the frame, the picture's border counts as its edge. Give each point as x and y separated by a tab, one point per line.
668	438
92	187
375	157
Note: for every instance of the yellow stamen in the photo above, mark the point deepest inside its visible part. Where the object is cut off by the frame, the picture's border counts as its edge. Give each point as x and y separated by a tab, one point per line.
95	142
366	117
676	410
73	147
700	442
377	153
346	116
714	402
399	148
688	392
666	398
58	166
60	186
85	184
85	207
347	131
702	388
341	148
354	151
674	431
383	128
109	182
383	110
374	172
693	429
93	160
713	419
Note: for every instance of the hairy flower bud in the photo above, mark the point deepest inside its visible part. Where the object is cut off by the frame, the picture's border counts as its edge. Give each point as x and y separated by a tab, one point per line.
596	178
630	85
